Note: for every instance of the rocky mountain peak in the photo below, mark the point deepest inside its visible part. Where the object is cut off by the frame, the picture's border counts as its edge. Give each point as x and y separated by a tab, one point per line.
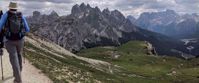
97	9
169	23
36	13
88	6
53	13
106	11
169	11
118	15
75	9
168	14
116	12
131	18
83	5
144	15
80	10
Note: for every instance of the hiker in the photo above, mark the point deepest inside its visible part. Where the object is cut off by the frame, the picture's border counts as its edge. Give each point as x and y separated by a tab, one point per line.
1	47
14	26
1	36
1	12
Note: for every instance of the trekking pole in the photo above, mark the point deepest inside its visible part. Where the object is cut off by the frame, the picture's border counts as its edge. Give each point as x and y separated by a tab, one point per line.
2	67
24	52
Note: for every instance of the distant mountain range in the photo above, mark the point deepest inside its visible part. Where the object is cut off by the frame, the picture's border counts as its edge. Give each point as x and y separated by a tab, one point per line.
169	23
88	27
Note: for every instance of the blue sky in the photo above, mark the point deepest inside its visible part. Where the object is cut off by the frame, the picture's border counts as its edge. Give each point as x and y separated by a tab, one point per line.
127	7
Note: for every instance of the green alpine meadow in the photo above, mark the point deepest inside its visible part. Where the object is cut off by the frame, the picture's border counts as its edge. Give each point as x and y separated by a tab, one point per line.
123	64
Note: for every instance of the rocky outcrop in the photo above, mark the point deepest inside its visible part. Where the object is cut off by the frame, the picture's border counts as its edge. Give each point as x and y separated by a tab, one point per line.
150	50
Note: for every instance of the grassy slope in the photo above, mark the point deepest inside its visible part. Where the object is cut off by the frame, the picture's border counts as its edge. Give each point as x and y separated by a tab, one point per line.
132	66
138	67
65	69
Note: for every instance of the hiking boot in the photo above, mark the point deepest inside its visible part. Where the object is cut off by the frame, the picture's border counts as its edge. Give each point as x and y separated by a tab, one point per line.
16	81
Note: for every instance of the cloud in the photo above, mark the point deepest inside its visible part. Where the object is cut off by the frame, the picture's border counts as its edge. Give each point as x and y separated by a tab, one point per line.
62	7
53	1
127	7
45	7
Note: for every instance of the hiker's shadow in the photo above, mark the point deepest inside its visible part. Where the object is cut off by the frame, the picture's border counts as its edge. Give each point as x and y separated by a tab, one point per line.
6	79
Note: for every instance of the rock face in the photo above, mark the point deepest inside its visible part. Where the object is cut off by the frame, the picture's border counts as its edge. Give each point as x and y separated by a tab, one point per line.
84	27
88	27
132	19
169	23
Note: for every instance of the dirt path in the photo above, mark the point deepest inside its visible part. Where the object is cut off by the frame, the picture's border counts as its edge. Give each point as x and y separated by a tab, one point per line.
30	74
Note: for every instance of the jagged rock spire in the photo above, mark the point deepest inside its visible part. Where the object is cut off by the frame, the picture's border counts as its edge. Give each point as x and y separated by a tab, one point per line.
36	13
53	13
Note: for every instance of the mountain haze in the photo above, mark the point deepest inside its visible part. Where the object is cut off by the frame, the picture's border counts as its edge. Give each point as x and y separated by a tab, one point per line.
169	23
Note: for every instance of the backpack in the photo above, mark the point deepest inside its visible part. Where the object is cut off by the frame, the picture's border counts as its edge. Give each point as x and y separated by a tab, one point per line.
14	28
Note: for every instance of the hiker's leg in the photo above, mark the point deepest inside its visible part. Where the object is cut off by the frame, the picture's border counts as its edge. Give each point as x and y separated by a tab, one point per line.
20	45
20	61
11	48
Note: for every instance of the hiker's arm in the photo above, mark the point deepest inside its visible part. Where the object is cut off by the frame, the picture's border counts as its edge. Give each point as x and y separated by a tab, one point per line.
26	25
3	20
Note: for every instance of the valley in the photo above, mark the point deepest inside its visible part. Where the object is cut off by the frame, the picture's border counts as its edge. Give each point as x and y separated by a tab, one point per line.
126	63
94	46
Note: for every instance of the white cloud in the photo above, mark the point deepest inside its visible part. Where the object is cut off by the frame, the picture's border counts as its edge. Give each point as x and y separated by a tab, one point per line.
127	7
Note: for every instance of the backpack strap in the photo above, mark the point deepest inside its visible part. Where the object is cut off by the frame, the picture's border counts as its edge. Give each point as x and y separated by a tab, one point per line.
7	24
7	21
19	14
1	13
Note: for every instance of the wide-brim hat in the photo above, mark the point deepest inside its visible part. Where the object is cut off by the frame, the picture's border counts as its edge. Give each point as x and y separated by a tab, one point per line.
13	5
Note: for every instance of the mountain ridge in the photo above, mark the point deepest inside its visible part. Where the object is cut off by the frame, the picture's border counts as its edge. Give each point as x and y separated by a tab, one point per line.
169	23
88	27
